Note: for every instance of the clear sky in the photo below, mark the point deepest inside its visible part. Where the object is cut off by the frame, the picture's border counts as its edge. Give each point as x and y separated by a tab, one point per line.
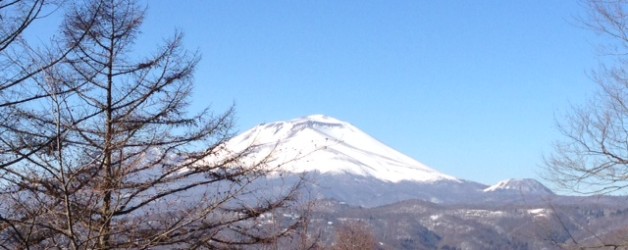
470	88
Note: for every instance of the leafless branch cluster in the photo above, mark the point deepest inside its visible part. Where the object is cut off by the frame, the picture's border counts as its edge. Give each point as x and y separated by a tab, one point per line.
97	150
594	156
608	18
354	235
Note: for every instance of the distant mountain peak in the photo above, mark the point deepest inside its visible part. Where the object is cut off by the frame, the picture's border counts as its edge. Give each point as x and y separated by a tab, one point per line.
526	185
325	144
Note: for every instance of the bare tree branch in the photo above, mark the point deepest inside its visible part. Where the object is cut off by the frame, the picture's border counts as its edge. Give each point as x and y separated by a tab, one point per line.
105	155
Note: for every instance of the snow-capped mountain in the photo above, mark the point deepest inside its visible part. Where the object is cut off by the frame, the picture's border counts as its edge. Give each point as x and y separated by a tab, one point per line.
347	165
344	163
525	186
329	146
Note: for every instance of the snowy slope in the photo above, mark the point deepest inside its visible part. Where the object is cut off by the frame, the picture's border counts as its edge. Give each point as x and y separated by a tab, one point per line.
329	146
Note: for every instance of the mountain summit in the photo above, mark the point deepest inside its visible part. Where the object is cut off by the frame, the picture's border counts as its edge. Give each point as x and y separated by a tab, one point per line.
525	186
322	144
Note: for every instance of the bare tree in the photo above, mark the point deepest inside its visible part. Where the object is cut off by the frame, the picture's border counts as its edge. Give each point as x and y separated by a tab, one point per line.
111	159
19	63
354	235
593	157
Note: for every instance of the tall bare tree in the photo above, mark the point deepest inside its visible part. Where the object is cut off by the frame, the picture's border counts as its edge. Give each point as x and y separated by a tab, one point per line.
111	159
593	157
19	64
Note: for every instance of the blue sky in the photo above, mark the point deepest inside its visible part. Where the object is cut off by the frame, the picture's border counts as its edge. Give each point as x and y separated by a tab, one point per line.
470	88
